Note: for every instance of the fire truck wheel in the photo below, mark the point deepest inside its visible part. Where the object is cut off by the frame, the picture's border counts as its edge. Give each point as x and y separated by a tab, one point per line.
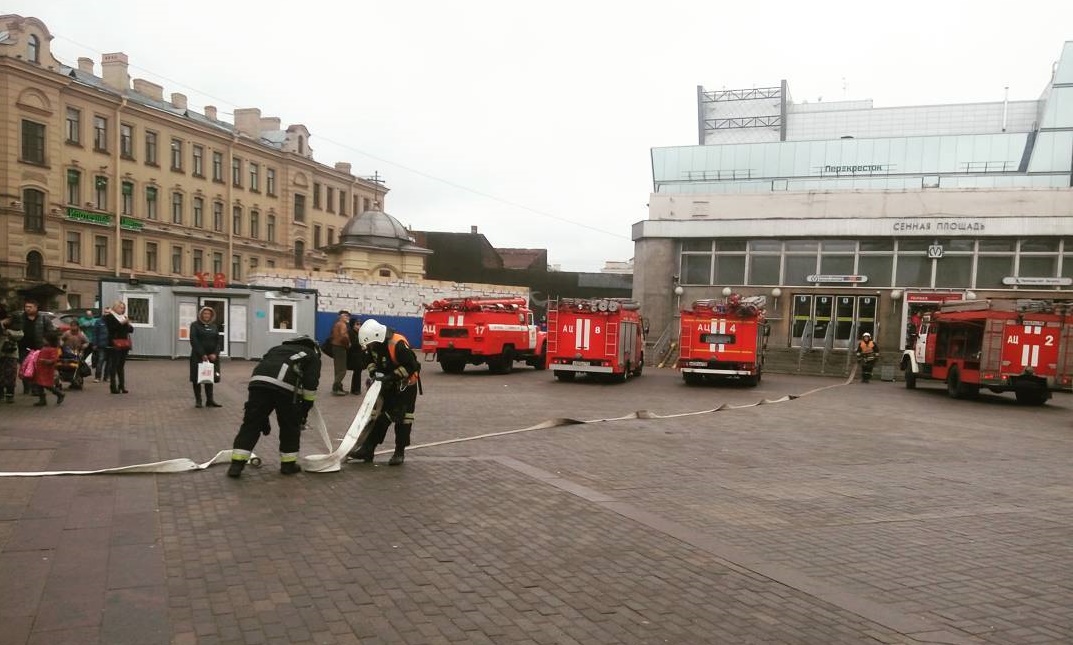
958	390
910	379
691	379
453	367
640	367
564	376
541	362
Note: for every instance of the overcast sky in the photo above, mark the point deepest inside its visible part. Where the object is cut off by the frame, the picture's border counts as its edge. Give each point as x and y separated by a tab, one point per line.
534	120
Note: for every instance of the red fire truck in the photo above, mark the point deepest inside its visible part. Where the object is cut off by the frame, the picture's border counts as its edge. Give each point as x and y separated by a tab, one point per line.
600	337
1019	346
471	331
723	340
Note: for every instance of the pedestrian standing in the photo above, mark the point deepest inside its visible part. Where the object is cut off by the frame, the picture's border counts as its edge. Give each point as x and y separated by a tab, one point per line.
285	381
205	347
340	342
391	361
34	326
9	355
99	338
355	357
119	345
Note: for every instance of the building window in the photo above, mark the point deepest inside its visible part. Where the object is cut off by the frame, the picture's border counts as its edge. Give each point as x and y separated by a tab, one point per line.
282	316
100	134
127	251
218	217
330	199
126	140
74	187
218	166
316	196
299	254
217	262
176	155
255	224
33	142
35	266
253	265
199	260
100	185
331	236
151	256
236	267
199	161
128	198
365	203
270	228
199	212
342	202
271	264
177	259
74	300
299	207
270	181
176	208
236	220
100	250
33	49
913	266
696	265
74	247
255	177
356	204
33	211
139	310
150	202
316	236
74	126
150	148
236	172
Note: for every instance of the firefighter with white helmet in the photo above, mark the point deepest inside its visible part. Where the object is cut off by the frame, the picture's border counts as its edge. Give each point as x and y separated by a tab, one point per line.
285	380
391	361
867	354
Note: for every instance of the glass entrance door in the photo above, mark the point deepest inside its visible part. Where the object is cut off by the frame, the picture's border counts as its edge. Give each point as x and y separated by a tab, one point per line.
832	321
219	305
802	322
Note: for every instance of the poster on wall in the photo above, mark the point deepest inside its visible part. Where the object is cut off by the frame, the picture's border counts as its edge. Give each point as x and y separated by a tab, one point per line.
236	330
187	315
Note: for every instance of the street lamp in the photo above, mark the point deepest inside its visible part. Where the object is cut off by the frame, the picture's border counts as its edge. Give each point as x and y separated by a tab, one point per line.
775	293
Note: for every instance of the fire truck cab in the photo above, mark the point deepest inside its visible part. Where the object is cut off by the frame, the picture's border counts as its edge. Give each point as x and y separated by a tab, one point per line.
723	340
471	331
1019	346
600	337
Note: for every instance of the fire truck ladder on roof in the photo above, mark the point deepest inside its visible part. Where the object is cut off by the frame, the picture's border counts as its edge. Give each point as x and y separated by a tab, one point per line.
553	328
610	337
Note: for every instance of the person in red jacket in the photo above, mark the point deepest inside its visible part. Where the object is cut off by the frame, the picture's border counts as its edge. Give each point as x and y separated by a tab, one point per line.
45	369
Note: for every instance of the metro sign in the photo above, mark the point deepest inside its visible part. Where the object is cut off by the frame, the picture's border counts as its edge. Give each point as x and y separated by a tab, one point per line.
846	279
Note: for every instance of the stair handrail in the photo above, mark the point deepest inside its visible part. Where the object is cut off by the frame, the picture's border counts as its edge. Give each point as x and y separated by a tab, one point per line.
662	345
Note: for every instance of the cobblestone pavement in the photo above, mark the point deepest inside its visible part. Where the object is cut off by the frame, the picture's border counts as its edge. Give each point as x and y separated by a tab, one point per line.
854	514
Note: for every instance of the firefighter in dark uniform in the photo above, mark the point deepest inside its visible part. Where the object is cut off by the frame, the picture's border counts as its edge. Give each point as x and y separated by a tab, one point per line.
391	361
286	381
867	354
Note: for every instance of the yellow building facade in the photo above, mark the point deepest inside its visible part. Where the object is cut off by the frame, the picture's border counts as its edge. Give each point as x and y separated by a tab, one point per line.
101	175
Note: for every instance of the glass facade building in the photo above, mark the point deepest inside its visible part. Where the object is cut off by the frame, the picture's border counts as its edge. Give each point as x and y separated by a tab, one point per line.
843	201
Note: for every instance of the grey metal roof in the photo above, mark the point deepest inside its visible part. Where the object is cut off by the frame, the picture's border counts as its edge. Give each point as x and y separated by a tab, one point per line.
377	229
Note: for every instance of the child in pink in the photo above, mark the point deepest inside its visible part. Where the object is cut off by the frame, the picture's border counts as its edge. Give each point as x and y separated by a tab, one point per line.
45	370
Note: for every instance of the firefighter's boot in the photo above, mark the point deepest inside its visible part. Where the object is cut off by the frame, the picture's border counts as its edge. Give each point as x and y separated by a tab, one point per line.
361	453
397	457
236	467
289	467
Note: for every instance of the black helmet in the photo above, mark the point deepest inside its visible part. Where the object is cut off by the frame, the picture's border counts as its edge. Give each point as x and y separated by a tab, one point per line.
302	340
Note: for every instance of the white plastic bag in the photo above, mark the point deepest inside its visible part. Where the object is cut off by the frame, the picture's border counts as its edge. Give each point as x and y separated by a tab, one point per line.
205	372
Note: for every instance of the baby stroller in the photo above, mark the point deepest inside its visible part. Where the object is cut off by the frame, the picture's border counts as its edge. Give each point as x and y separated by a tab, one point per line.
72	368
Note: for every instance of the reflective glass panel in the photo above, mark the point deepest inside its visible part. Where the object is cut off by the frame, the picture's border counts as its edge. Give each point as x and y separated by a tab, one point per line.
991	270
696	245
1045	266
1038	245
801	246
764	269
730	245
914	271
957	245
877	245
913	245
767	245
997	245
954	271
836	264
877	268
798	268
729	269
839	245
696	269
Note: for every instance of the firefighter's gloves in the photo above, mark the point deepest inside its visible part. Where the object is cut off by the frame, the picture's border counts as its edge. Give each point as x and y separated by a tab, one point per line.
385	378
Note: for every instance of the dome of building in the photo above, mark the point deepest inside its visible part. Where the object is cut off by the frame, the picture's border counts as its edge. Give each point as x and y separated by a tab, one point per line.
375	228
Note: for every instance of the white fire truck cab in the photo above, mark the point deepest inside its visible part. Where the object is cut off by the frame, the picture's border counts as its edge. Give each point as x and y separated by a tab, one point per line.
1019	346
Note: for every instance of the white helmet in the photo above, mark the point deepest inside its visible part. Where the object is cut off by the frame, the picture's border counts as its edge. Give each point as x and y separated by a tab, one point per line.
866	335
371	331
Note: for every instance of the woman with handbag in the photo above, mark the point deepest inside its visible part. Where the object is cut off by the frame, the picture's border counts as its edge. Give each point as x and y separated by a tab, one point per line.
205	348
119	345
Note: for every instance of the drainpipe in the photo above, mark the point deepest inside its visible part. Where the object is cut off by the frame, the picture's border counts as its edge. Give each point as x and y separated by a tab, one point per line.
229	212
117	190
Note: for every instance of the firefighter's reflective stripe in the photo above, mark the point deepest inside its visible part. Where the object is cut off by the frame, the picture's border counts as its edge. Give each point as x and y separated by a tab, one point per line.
278	382
308	395
408	418
582	331
240	455
401	371
285	457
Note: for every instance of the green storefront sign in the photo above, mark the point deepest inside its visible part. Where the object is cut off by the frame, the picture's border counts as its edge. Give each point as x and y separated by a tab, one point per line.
103	219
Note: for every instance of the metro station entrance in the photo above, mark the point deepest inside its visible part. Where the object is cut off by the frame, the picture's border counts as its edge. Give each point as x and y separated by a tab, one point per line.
831	321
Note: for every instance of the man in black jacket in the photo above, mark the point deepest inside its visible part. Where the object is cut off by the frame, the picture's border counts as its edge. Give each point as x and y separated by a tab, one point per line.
34	326
286	381
390	360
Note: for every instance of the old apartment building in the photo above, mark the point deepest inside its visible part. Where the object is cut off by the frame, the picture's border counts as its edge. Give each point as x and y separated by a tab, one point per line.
100	175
